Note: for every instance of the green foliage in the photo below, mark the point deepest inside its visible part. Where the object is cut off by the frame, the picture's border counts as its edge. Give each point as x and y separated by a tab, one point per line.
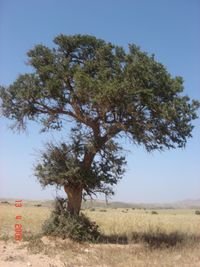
154	212
103	87
62	224
197	212
92	209
62	165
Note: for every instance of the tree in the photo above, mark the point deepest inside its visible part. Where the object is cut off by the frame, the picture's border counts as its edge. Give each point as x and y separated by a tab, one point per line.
108	93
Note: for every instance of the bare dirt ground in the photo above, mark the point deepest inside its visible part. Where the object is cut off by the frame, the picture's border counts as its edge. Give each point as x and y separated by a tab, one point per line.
49	252
15	254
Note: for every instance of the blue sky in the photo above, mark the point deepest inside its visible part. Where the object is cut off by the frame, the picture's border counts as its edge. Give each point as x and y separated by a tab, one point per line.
167	28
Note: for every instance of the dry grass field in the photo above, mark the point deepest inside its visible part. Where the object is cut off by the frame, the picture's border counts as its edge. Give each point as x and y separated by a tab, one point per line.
135	237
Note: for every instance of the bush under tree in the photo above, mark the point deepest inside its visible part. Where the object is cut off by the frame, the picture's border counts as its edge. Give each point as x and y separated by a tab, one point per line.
62	224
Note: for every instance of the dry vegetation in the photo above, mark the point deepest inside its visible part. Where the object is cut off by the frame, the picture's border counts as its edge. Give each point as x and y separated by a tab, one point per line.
134	238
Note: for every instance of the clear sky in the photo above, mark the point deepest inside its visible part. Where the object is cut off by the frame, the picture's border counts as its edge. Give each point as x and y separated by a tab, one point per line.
167	28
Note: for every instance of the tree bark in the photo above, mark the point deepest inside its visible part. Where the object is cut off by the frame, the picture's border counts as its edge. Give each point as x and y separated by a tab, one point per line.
74	199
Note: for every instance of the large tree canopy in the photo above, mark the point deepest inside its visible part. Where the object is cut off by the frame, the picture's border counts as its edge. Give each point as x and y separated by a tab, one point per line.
106	91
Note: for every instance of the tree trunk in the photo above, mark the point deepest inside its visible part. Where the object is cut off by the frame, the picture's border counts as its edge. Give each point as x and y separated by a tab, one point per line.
74	199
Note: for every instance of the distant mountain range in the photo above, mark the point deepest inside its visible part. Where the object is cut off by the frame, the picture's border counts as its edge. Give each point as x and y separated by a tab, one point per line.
187	204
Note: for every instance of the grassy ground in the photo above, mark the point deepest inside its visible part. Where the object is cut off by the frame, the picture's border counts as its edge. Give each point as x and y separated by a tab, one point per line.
135	237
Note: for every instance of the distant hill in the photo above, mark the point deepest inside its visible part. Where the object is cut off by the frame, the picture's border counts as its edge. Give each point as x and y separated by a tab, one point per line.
183	204
188	203
173	205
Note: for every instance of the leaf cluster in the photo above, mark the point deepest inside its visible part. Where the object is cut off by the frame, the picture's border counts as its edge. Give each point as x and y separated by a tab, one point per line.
62	165
103	87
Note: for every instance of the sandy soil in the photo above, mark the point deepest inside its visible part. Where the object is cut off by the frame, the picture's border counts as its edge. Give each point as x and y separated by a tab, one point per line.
49	252
16	254
19	254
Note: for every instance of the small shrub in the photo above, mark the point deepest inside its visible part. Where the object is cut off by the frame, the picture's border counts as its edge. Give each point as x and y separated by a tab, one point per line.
197	212
29	235
4	237
62	224
92	209
5	202
154	212
35	246
103	210
38	205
